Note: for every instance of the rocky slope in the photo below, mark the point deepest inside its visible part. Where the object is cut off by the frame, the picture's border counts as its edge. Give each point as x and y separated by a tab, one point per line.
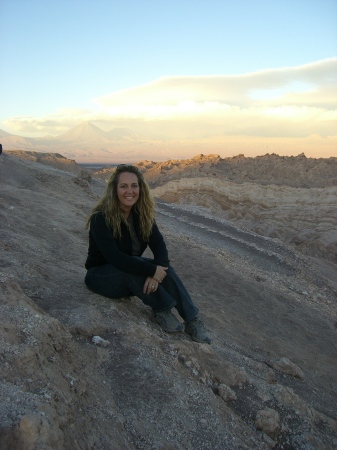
267	381
54	160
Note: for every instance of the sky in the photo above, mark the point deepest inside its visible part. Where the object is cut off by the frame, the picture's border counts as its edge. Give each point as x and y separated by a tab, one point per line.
178	69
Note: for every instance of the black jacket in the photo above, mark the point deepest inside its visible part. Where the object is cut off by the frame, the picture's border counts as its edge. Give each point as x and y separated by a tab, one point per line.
104	249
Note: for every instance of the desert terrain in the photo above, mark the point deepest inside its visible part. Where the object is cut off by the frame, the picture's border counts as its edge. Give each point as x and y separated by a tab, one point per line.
254	240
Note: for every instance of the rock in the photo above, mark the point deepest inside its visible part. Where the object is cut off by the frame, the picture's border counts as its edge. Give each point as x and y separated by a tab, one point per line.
286	366
271	377
97	340
36	432
286	397
268	420
226	393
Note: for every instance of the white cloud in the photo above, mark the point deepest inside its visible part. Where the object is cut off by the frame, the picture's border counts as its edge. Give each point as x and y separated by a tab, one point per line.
288	101
305	95
56	123
238	90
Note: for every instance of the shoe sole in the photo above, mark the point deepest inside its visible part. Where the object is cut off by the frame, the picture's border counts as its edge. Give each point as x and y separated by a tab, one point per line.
178	329
209	341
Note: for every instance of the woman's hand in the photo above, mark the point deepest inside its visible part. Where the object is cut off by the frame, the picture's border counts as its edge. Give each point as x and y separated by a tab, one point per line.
150	285
160	273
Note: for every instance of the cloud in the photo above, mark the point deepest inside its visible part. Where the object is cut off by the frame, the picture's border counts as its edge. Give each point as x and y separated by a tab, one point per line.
56	123
232	90
282	100
290	101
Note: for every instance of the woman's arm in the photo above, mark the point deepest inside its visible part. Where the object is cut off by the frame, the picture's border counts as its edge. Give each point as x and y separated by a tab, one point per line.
158	247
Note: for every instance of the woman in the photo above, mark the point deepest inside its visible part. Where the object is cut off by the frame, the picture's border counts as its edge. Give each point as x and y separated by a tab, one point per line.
121	226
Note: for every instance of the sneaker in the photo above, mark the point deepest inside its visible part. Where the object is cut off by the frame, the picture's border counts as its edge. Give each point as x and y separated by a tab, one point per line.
168	321
196	329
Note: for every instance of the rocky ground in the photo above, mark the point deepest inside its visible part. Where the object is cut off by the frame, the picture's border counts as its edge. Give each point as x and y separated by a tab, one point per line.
267	381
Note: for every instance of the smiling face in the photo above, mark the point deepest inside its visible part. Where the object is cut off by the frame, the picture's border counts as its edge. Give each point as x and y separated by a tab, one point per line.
127	191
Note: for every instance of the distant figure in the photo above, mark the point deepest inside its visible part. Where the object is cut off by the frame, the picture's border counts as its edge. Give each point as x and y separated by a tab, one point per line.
121	226
0	149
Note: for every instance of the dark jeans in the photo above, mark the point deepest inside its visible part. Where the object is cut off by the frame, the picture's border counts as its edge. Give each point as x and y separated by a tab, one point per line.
111	282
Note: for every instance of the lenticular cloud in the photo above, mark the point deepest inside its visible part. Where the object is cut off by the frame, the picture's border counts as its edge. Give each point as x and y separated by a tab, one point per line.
242	90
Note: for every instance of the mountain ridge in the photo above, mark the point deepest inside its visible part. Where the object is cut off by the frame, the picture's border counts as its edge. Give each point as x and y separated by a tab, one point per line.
88	143
85	131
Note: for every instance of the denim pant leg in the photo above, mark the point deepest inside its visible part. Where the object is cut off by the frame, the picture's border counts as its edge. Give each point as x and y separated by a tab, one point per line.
175	287
111	282
107	281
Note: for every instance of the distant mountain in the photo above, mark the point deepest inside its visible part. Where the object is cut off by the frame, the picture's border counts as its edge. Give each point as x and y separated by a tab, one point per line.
13	142
86	143
123	133
4	133
84	132
48	137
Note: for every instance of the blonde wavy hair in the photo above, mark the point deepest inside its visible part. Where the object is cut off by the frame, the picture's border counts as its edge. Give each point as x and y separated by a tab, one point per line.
109	204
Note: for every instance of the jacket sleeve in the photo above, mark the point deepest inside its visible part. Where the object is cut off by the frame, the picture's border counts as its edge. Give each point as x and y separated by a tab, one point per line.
158	247
107	246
